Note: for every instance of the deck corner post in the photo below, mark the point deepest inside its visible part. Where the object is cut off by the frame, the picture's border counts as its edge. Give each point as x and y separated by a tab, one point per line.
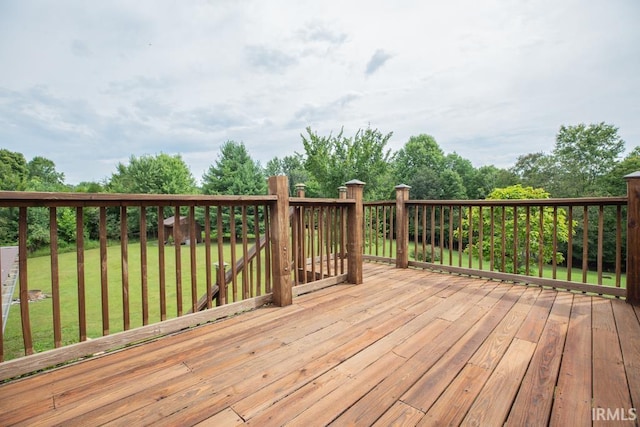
355	231
633	238
402	226
280	241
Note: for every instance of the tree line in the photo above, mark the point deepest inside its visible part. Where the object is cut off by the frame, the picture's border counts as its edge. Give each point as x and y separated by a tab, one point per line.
586	161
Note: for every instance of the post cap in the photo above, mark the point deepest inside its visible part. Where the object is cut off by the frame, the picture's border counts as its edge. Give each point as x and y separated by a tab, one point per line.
354	182
402	187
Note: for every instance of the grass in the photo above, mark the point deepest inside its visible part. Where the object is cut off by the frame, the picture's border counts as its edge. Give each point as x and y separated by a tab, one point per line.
39	277
41	312
561	272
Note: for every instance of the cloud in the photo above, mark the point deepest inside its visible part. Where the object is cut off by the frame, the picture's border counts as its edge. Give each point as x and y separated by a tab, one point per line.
379	58
317	32
80	49
311	114
269	60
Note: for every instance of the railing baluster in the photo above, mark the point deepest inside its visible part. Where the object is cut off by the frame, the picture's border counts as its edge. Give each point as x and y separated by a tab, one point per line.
124	263
245	254
516	247
267	249
618	245
600	242
177	247
554	262
222	283
569	242
55	277
320	244
207	255
327	242
527	244
234	268
144	273
541	242
480	237
23	281
82	306
162	280
585	245
256	232
193	243
104	282
470	240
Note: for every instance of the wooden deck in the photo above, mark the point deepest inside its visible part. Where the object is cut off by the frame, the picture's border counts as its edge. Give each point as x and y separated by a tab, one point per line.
406	347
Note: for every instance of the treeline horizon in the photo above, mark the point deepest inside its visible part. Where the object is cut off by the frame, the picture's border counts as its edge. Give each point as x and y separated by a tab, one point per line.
585	161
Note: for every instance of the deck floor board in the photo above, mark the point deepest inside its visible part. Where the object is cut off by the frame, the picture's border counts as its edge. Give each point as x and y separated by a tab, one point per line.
406	347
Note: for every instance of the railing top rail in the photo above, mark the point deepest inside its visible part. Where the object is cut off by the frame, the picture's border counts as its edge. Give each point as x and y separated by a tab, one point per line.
580	201
24	198
380	203
303	201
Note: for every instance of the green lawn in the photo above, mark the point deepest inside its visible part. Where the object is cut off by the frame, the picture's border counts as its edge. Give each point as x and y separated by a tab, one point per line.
41	311
39	277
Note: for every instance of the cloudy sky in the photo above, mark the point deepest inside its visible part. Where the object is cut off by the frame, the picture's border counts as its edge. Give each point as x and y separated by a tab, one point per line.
87	84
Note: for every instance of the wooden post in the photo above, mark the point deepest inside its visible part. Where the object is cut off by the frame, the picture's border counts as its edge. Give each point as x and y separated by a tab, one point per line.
342	192
280	242
300	190
633	238
402	226
355	232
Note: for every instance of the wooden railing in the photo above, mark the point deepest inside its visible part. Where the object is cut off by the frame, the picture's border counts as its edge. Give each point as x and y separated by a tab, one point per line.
515	240
253	250
258	249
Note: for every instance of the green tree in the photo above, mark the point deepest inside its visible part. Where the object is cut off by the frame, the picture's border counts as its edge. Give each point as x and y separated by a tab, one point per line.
585	154
159	174
614	184
234	172
14	172
488	178
515	259
334	160
43	175
420	153
465	171
293	168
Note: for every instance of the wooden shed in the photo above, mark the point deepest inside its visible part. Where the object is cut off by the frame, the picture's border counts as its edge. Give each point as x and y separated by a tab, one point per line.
181	234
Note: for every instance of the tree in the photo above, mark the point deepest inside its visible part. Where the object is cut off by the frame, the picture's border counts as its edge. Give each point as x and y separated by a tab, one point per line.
159	174
584	154
43	175
465	171
614	184
293	168
515	260
488	178
14	172
234	172
334	160
420	153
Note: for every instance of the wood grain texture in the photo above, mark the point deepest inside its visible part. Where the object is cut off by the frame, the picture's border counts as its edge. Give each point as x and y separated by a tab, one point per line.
405	347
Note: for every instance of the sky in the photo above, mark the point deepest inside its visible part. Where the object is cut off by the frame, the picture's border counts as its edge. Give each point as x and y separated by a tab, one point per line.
88	84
